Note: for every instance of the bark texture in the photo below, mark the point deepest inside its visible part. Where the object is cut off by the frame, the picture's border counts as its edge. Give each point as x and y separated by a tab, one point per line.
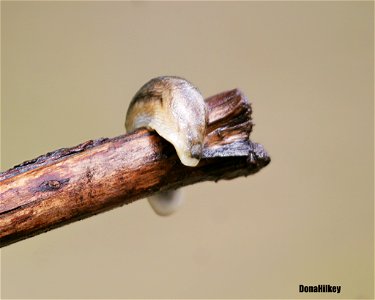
74	183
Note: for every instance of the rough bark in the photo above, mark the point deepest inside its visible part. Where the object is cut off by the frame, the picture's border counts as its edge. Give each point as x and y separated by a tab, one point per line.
74	183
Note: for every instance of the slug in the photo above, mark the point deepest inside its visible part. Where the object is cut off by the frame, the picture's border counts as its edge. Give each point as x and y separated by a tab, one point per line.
176	110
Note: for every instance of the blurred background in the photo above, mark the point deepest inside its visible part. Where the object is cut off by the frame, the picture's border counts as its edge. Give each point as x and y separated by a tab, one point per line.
69	70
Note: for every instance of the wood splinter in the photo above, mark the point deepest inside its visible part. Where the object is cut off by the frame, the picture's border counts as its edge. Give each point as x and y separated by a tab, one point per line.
70	184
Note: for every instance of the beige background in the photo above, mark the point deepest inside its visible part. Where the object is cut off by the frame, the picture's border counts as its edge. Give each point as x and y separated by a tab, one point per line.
68	73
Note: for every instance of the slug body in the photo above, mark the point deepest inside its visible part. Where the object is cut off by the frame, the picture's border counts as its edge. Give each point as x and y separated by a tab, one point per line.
176	110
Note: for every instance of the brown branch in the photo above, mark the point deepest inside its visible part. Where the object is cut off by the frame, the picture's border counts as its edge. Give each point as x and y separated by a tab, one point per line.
74	183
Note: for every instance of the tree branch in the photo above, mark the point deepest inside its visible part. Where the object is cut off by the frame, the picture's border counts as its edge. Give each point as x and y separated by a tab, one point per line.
74	183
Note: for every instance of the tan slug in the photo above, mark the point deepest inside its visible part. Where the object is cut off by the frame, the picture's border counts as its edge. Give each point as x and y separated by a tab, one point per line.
176	110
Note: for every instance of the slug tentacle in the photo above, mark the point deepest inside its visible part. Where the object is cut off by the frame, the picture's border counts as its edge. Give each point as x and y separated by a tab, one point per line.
176	110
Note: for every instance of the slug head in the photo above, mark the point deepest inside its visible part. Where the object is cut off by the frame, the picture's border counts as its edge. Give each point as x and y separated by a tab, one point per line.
189	119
